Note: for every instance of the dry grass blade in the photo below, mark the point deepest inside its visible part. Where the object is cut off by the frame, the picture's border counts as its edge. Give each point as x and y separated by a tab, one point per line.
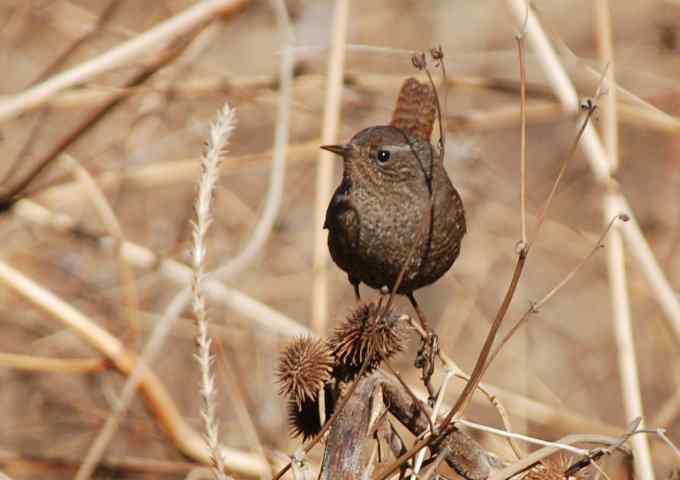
616	268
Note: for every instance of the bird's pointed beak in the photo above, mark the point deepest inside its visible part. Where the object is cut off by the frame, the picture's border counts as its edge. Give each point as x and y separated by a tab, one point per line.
342	150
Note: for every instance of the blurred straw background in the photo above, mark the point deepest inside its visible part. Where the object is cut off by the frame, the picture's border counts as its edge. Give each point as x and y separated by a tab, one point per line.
104	110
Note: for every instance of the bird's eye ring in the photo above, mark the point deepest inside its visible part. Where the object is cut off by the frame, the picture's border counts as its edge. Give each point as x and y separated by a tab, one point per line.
383	156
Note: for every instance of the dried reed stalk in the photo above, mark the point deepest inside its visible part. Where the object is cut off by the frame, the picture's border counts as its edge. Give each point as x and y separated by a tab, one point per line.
602	167
278	324
115	230
597	157
324	172
274	198
53	365
145	43
159	399
616	260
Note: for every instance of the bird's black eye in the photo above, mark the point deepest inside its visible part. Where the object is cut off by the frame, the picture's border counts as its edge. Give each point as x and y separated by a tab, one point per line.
383	156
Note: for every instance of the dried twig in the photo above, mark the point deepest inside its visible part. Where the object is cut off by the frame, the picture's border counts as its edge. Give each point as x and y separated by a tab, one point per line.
274	198
324	172
523	138
186	439
535	457
53	365
536	307
115	230
596	155
144	43
9	195
616	268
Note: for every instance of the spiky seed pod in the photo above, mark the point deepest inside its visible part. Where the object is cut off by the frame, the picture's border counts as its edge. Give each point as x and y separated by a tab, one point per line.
305	366
365	332
303	419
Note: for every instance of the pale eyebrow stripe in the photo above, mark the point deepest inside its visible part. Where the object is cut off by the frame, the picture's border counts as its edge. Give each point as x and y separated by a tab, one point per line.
396	148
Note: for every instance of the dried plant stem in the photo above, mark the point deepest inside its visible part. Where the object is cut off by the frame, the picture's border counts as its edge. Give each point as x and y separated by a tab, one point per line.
632	110
459	373
668	412
145	43
274	198
535	457
519	38
324	172
433	418
536	307
666	296
606	53
135	378
623	331
557	77
115	230
9	195
53	365
220	132
165	174
616	262
42	117
523	138
525	438
336	413
141	257
278	324
117	464
480	364
159	400
559	81
563	168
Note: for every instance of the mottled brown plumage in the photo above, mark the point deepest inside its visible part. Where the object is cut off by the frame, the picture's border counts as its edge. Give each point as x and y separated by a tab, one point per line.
375	214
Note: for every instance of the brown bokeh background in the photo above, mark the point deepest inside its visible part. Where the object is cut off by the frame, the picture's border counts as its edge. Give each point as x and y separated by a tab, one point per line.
567	355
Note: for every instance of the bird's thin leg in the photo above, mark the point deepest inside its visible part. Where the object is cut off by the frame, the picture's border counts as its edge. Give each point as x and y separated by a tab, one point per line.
419	312
355	283
429	348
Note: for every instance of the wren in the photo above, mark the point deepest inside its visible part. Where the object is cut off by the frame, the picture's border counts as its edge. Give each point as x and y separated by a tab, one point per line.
395	192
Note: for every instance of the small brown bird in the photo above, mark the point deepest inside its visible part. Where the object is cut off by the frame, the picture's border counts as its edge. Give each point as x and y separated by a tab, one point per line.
394	192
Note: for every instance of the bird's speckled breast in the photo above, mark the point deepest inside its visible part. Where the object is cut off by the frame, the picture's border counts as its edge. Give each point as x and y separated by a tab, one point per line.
372	237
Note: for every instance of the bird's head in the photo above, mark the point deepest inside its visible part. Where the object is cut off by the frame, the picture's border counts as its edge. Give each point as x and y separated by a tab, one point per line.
385	156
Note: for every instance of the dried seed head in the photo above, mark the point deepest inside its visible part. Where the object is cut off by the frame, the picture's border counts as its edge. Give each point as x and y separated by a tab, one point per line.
303	419
437	53
304	367
366	333
418	60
